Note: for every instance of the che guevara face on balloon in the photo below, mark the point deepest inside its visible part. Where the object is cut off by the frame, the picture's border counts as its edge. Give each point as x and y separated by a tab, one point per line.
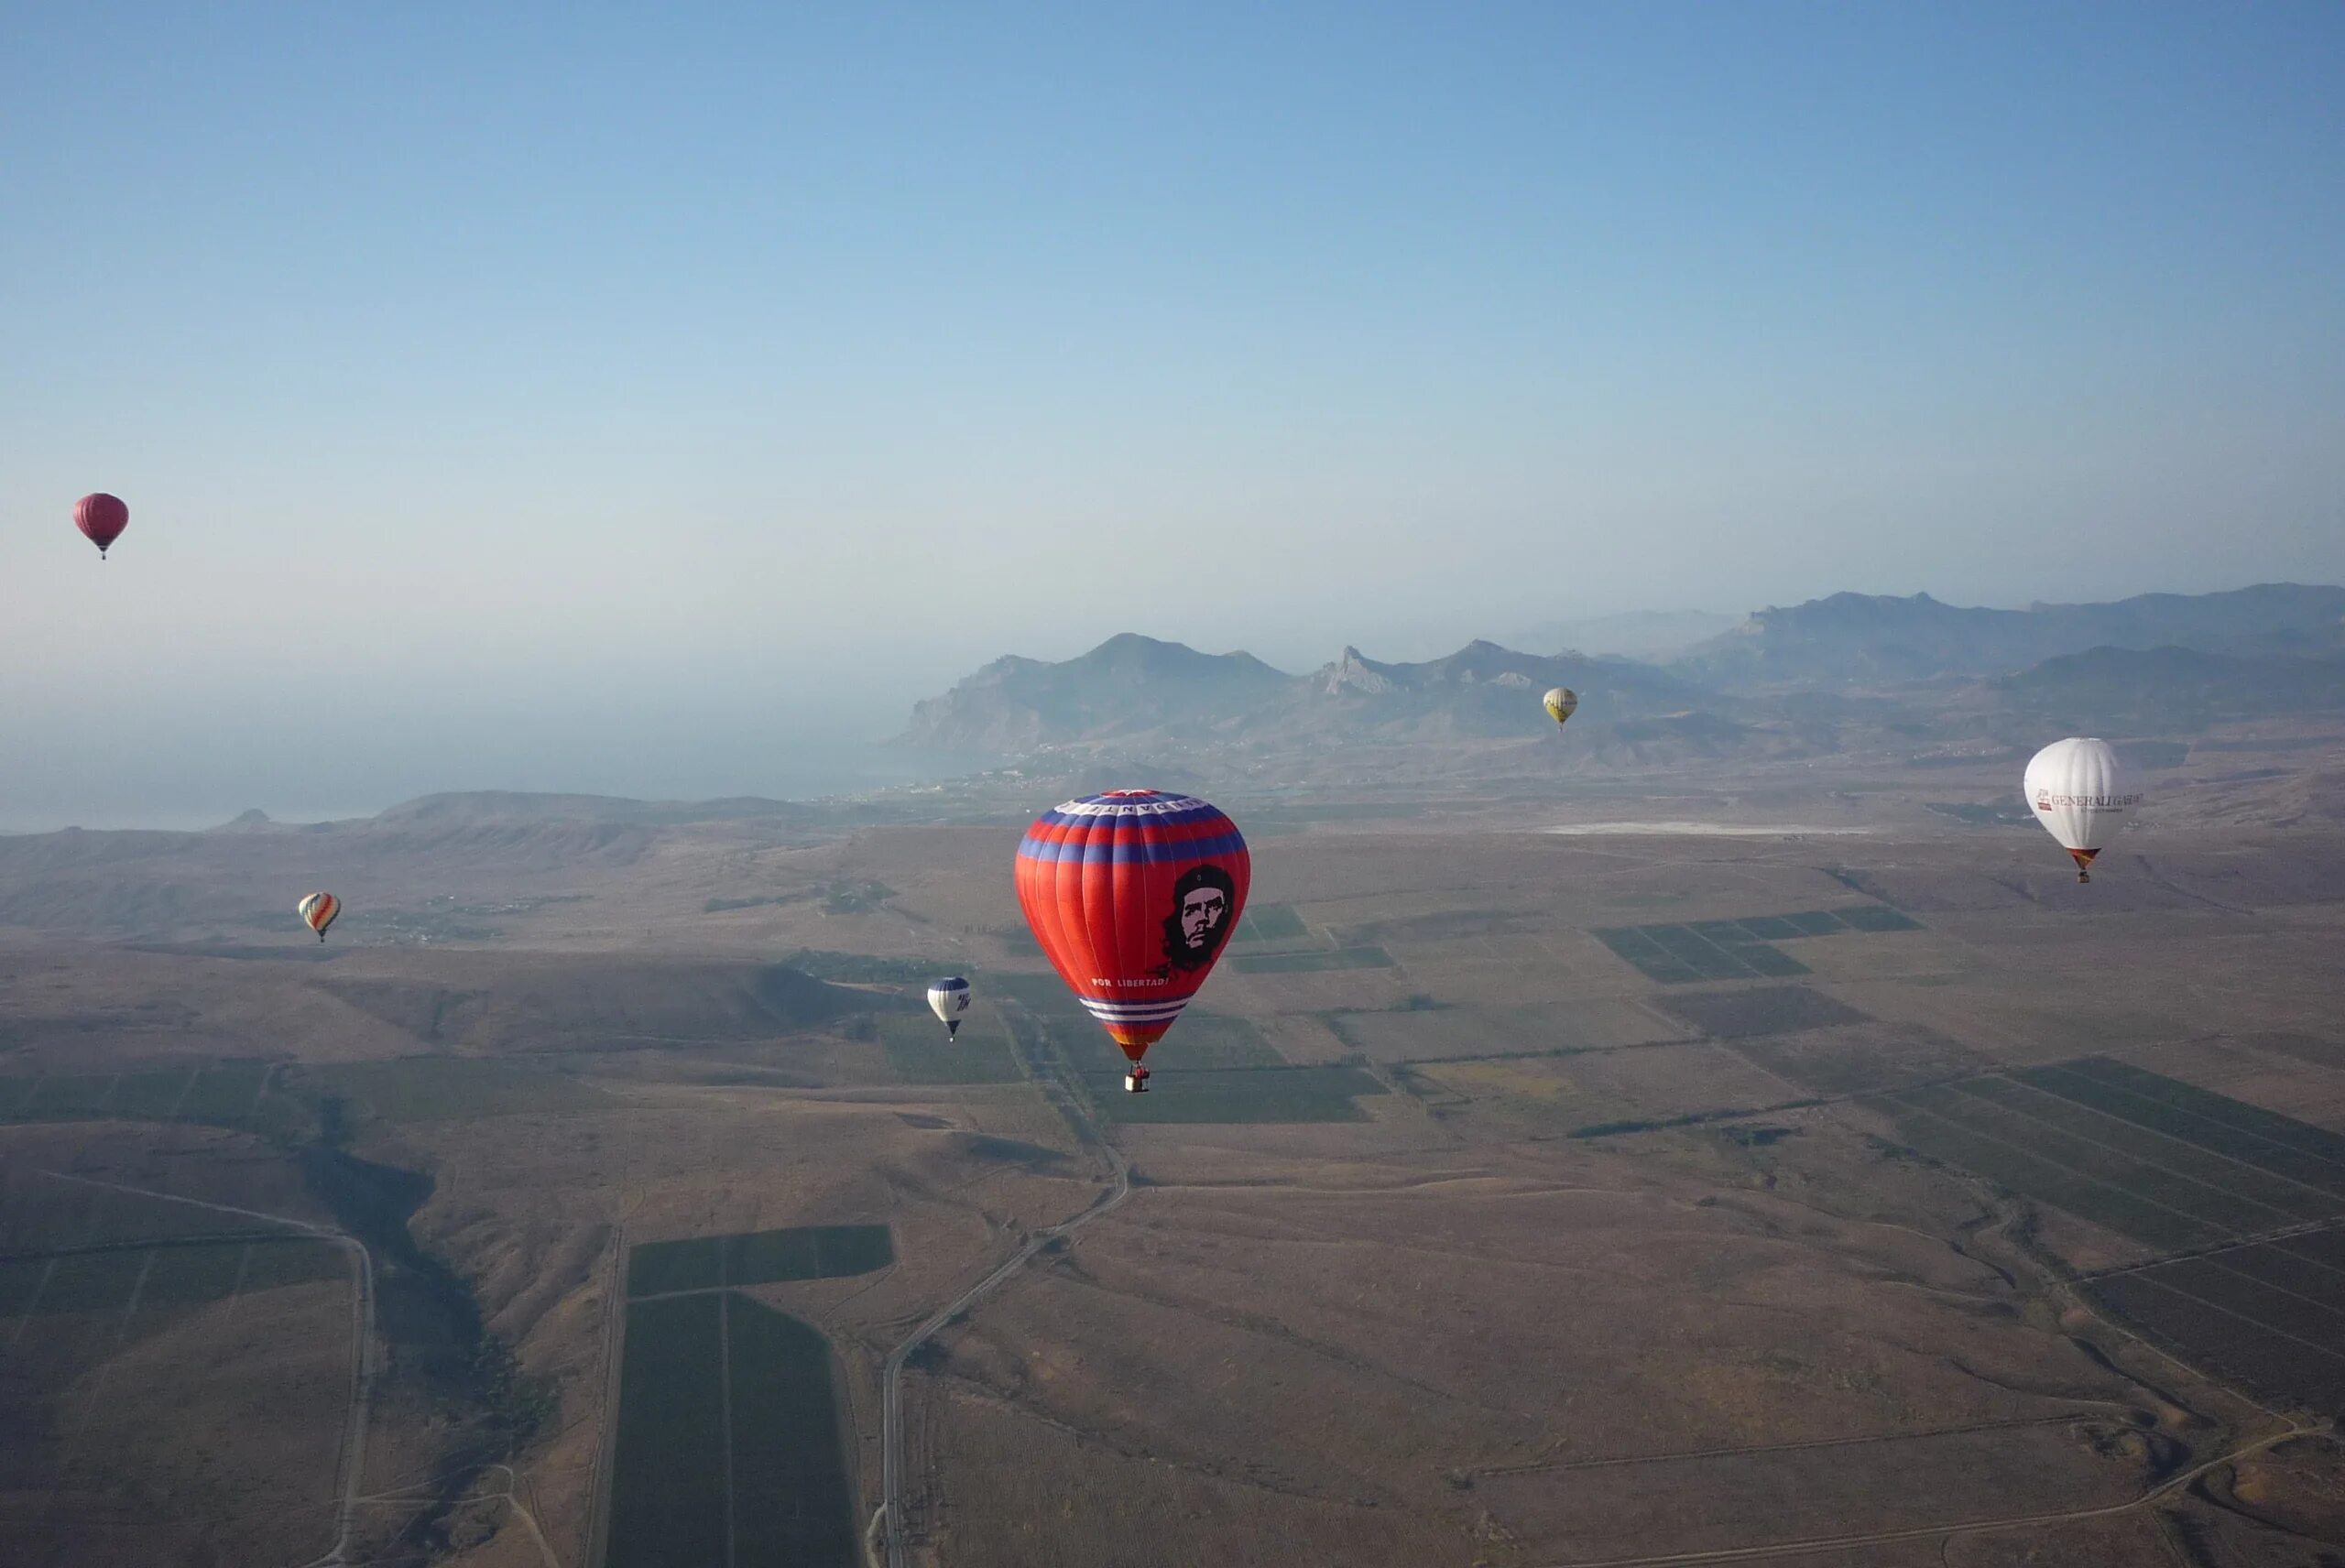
1200	917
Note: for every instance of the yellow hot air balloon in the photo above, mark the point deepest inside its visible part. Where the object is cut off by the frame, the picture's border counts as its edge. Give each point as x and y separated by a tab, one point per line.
317	912
1561	704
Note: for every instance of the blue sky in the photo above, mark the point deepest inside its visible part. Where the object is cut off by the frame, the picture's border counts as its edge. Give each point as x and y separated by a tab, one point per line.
527	374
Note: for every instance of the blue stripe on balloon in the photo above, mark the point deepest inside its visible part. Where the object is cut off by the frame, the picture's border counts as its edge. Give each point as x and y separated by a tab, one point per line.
1113	854
1057	819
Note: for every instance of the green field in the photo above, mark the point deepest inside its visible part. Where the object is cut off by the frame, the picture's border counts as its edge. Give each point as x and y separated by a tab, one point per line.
1364	957
865	969
756	1257
1457	1033
1738	949
1210	1039
1875	918
2047	1181
93	1282
1266	924
1258	1094
140	1286
1198	1039
228	1094
153	1095
720	906
669	1485
1044	995
2169	1164
2096	1161
2269	1126
1861	1059
728	1448
70	1097
2224	1136
1772	1009
793	1503
2283	1196
456	1088
2231	1334
187	1275
920	1051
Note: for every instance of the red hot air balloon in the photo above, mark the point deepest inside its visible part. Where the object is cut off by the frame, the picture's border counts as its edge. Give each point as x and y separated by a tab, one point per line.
1132	895
102	518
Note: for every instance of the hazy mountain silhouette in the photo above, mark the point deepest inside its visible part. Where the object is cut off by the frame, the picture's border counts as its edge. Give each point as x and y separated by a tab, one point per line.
1851	672
2167	689
1128	685
1870	639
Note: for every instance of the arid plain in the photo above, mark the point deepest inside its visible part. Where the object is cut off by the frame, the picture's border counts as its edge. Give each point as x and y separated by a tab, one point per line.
1795	1169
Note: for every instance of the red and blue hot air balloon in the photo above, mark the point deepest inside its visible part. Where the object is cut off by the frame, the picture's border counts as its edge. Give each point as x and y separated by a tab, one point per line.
1132	895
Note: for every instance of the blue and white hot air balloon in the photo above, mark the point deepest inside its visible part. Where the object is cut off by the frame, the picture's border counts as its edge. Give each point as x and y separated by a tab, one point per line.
949	998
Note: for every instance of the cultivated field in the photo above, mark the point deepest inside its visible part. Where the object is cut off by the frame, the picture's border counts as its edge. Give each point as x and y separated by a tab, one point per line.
1509	1198
176	1370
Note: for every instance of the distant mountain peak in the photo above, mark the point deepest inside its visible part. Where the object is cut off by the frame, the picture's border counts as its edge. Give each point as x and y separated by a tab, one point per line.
1129	684
1352	672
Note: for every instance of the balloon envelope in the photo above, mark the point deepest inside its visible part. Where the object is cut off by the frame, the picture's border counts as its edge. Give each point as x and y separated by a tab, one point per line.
1561	704
102	518
1132	894
2077	792
317	910
949	998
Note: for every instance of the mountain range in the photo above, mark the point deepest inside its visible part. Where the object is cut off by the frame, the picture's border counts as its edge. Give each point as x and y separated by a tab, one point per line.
1860	637
1847	672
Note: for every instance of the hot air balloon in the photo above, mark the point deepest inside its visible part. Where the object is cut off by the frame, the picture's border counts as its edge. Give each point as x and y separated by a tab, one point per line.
1561	704
2078	794
1132	895
317	912
948	998
102	518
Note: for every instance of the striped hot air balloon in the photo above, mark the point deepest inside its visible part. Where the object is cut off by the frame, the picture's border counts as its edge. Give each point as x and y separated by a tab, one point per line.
1561	704
1132	895
317	912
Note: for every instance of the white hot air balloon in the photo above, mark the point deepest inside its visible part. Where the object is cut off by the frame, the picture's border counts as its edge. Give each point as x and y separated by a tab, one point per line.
949	998
2077	792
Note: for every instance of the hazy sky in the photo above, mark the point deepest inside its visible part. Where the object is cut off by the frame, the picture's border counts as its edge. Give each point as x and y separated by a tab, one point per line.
632	397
